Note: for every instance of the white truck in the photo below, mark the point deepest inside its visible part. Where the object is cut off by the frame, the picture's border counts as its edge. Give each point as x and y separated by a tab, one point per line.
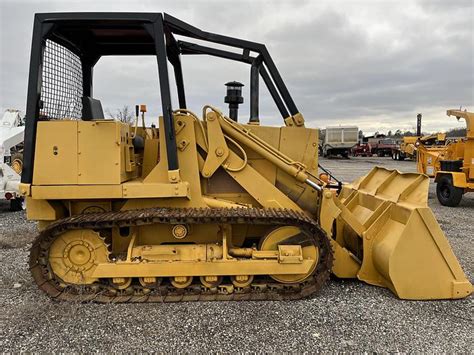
11	162
339	140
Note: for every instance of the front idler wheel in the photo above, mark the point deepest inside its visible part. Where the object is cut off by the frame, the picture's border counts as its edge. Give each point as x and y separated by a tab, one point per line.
292	235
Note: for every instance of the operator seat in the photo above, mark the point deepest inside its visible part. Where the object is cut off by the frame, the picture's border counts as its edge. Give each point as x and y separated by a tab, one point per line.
91	109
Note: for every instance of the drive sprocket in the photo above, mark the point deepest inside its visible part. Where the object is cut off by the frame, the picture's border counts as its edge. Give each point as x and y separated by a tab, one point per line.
74	255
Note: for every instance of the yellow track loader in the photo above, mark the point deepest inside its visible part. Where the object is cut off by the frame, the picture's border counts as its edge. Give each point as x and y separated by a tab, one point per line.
203	207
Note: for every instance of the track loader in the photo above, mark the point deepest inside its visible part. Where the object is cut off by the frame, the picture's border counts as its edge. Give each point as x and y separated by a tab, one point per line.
203	207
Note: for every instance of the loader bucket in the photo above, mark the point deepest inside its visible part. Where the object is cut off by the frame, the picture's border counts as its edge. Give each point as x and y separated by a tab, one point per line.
388	226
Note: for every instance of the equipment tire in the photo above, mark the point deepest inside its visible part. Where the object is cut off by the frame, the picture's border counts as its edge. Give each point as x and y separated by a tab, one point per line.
16	204
17	162
448	194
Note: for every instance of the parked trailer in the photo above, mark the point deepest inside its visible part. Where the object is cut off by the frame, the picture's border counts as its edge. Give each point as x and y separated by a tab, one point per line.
339	140
362	150
11	161
378	144
383	147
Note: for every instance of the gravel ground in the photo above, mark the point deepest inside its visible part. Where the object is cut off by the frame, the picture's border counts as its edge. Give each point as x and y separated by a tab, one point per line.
345	316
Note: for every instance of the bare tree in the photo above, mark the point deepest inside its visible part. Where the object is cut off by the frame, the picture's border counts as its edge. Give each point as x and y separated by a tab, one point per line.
124	115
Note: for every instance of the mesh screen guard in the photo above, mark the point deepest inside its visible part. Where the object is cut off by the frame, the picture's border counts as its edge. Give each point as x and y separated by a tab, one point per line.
61	88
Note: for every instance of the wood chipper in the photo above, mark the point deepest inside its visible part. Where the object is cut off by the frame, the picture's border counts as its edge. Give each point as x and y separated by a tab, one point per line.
203	207
429	150
454	175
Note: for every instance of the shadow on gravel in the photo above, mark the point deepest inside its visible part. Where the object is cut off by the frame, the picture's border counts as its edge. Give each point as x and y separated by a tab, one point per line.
18	239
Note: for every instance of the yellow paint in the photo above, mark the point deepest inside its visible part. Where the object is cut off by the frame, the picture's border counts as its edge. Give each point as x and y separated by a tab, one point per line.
404	249
56	151
380	227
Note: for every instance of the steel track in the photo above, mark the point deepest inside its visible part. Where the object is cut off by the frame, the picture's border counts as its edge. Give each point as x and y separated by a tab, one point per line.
263	289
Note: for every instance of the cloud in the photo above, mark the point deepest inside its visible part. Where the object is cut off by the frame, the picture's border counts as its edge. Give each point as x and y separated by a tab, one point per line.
371	63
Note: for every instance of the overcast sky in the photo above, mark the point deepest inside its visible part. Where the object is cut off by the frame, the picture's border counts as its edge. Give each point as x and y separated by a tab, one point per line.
375	64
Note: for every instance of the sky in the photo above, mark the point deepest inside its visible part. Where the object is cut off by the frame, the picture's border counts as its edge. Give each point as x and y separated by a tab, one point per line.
374	64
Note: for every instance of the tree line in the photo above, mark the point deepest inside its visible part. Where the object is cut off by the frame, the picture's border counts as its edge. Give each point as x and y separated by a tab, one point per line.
452	132
126	115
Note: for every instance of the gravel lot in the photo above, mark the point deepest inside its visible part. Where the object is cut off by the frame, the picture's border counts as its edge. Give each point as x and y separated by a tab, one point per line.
345	316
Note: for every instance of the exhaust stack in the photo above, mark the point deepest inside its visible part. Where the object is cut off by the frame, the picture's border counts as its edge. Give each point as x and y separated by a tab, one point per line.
418	125
234	98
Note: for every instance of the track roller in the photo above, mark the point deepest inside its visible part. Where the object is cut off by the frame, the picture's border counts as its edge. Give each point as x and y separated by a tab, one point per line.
121	283
181	281
241	280
150	282
211	281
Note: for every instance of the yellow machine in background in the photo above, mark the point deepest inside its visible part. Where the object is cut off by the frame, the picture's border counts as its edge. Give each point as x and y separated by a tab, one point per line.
429	149
409	147
406	149
454	173
204	207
